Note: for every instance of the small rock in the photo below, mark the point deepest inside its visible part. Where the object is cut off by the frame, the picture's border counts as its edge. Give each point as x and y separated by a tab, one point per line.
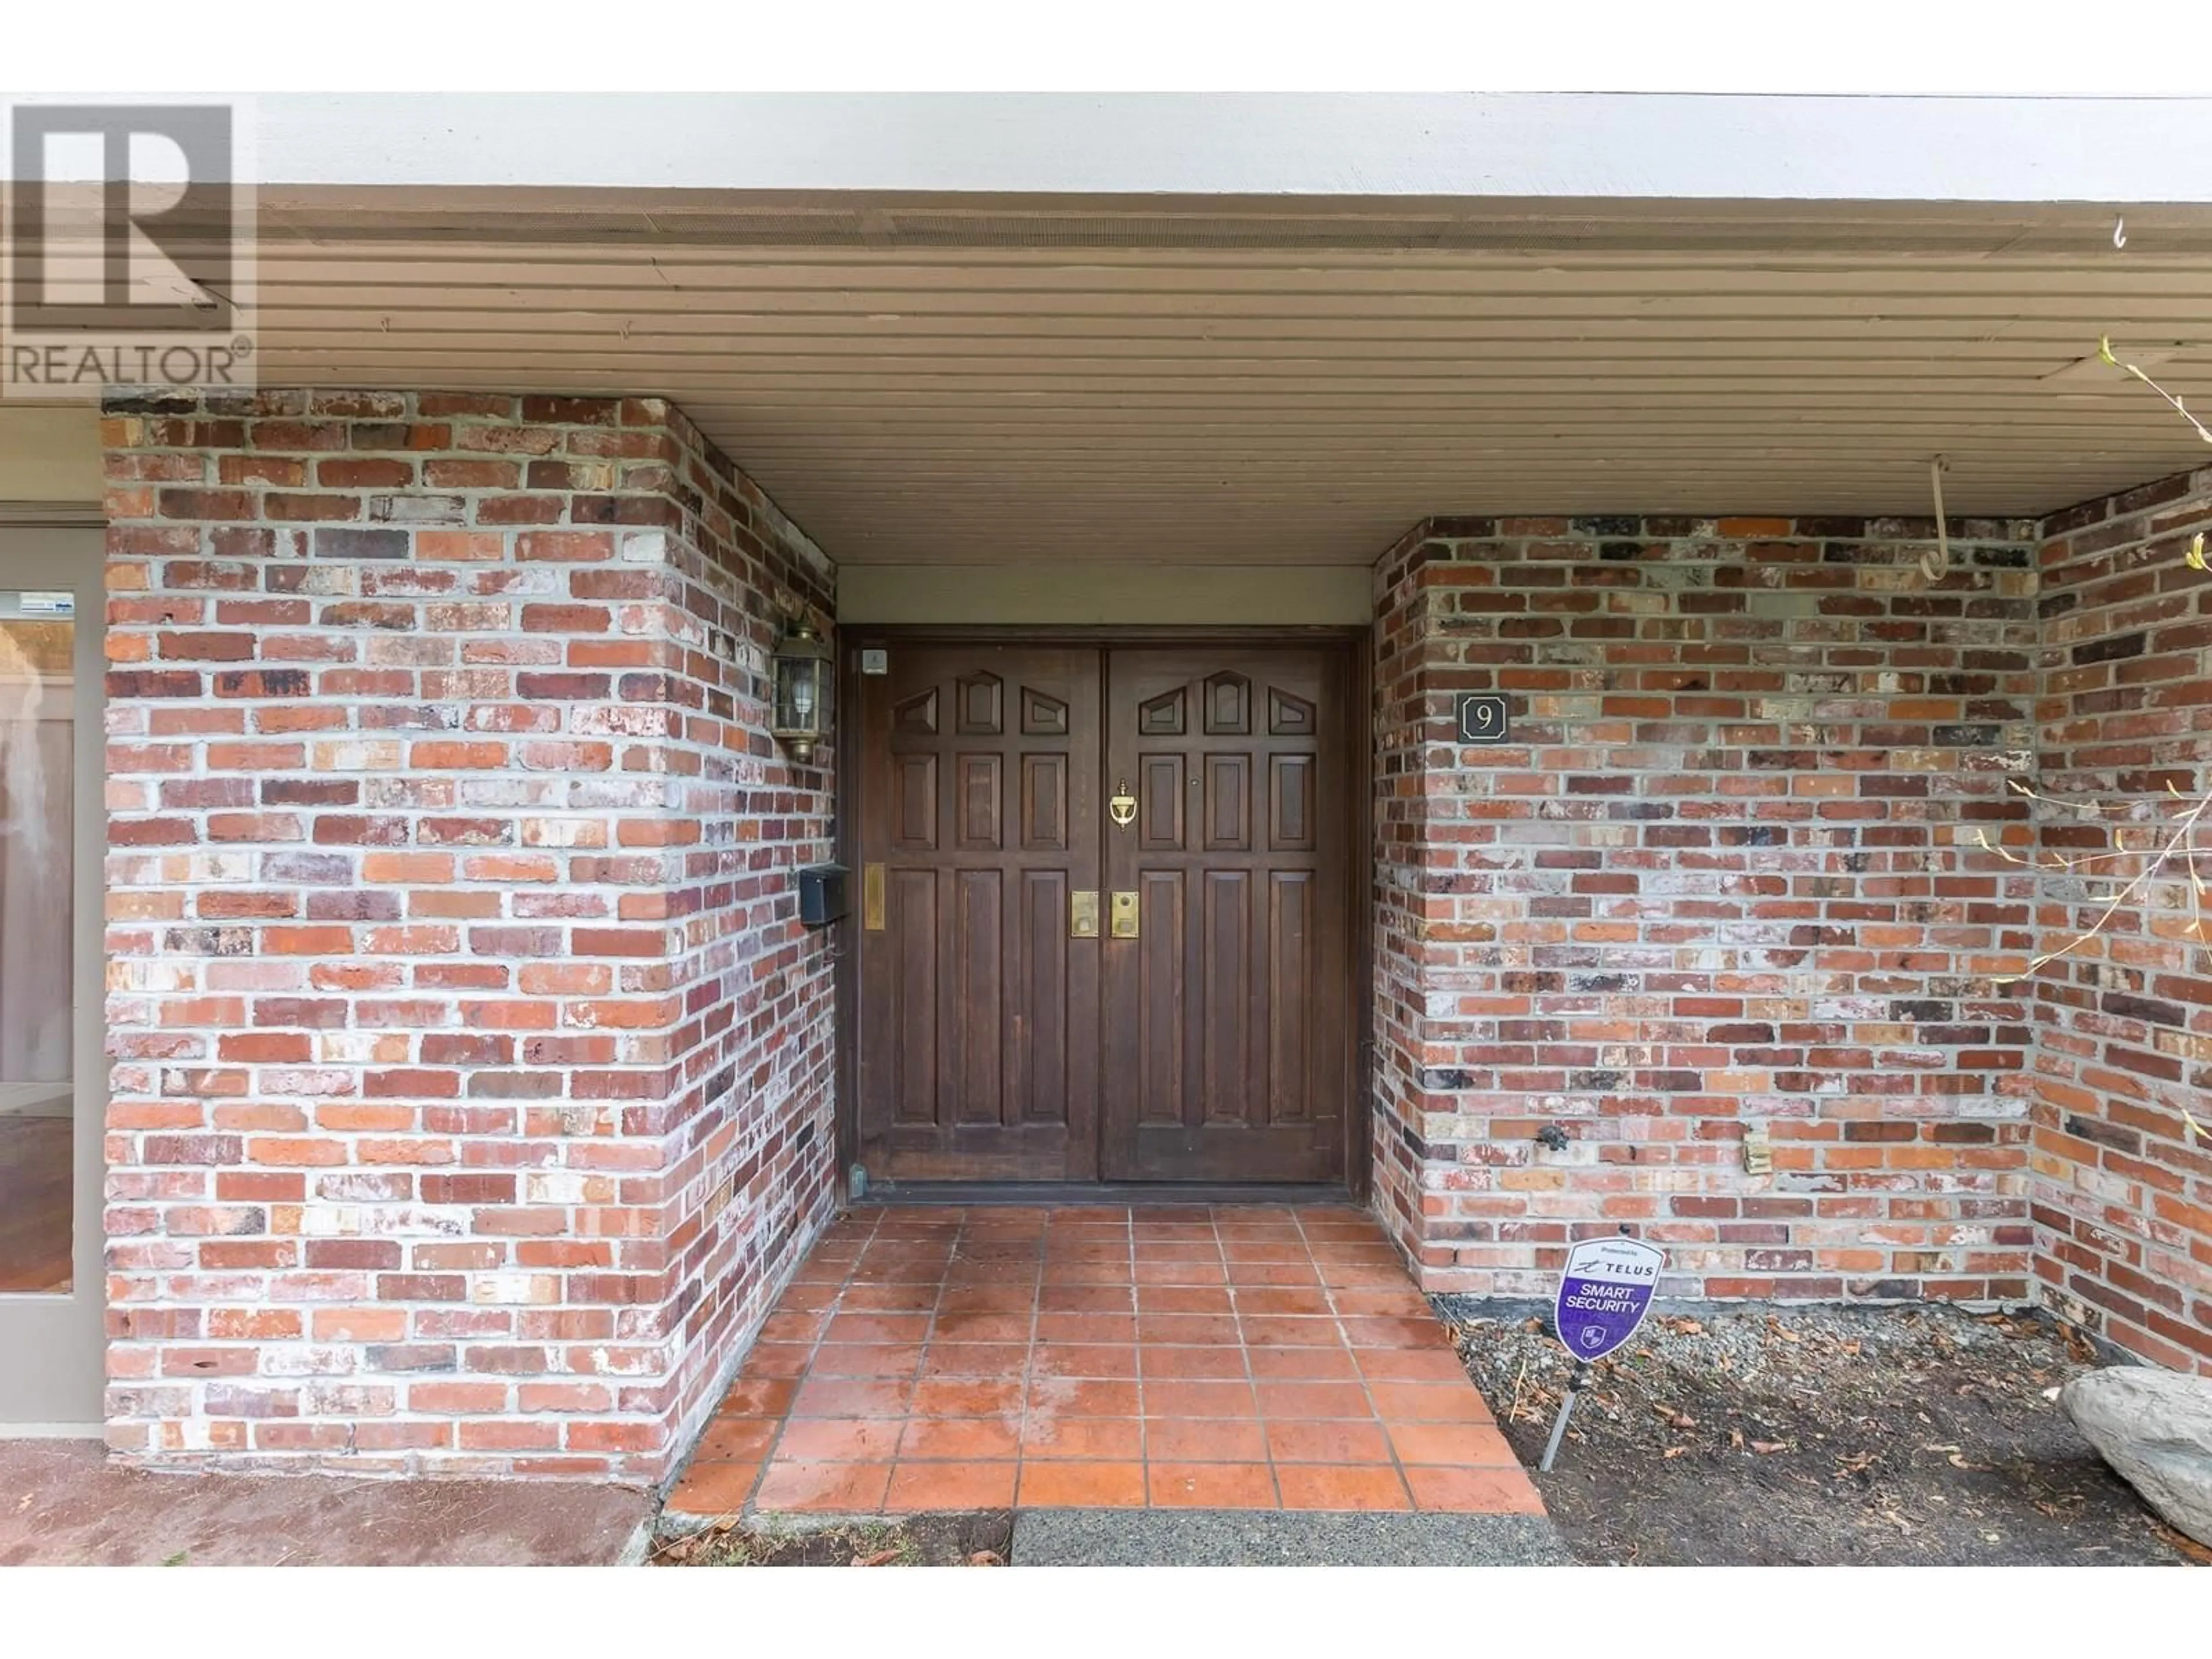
2154	1428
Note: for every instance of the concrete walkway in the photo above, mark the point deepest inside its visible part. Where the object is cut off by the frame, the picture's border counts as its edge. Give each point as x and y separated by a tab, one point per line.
63	1505
1242	1538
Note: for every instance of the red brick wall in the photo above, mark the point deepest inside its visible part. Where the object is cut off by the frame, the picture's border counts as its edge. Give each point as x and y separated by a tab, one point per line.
2123	1192
471	1084
1722	872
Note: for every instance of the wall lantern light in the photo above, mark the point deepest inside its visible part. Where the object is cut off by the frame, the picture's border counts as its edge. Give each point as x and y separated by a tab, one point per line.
802	691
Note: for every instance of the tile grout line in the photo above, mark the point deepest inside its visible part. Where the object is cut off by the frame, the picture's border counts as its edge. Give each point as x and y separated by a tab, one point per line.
910	1412
1144	1372
791	1406
1143	1458
1029	1356
1244	1347
1144	1378
1366	1383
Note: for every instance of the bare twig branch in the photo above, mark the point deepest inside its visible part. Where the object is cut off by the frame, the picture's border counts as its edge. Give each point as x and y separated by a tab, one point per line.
2177	847
2104	350
2112	905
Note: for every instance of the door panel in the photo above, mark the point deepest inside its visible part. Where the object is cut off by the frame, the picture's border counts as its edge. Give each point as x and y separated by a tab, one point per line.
979	1019
1213	1046
1227	1019
53	1080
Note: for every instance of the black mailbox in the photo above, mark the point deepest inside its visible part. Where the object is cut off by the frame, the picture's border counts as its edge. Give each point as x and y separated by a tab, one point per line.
821	894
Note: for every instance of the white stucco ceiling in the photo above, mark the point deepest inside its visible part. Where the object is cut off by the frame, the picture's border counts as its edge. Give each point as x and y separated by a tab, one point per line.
1621	146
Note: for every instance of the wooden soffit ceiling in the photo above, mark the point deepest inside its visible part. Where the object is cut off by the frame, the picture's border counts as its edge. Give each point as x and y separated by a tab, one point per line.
951	379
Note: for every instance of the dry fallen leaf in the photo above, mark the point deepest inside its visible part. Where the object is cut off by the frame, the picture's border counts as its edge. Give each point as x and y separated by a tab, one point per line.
1765	1446
880	1559
1686	1327
987	1559
2181	1542
1673	1451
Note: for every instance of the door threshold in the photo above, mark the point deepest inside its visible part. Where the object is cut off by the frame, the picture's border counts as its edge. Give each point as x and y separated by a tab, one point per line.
1072	1194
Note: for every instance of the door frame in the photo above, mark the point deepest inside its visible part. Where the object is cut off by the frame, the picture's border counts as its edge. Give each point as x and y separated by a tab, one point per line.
61	1340
1357	645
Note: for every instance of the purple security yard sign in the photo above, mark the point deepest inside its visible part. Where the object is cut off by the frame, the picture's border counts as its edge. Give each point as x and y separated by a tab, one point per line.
1604	1294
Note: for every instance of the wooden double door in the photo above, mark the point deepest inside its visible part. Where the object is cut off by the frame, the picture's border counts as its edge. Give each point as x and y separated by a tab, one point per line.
1105	913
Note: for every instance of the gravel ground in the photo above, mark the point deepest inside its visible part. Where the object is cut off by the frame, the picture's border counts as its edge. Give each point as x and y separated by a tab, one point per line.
1816	1436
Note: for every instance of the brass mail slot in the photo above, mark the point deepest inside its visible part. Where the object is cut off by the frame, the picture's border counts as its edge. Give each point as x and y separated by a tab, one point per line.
1083	914
1125	916
871	898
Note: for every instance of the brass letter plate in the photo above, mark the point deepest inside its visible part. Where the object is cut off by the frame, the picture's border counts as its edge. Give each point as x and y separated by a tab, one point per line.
871	898
1125	916
1083	914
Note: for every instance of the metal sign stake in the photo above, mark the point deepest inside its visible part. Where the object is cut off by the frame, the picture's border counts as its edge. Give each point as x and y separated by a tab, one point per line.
1575	1385
1605	1290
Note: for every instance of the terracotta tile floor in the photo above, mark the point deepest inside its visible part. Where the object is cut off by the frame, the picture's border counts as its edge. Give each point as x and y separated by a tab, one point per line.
1232	1358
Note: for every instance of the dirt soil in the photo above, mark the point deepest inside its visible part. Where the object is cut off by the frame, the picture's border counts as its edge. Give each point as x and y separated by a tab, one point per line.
1817	1436
981	1540
62	1503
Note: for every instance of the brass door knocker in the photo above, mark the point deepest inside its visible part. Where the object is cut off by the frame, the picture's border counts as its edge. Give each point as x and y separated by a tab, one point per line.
1123	806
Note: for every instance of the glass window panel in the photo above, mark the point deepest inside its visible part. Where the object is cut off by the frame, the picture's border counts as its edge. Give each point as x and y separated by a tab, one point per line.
38	703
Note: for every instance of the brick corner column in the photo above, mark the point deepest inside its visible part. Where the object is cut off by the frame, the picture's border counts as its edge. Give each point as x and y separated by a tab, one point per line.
1721	879
442	1009
1440	949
